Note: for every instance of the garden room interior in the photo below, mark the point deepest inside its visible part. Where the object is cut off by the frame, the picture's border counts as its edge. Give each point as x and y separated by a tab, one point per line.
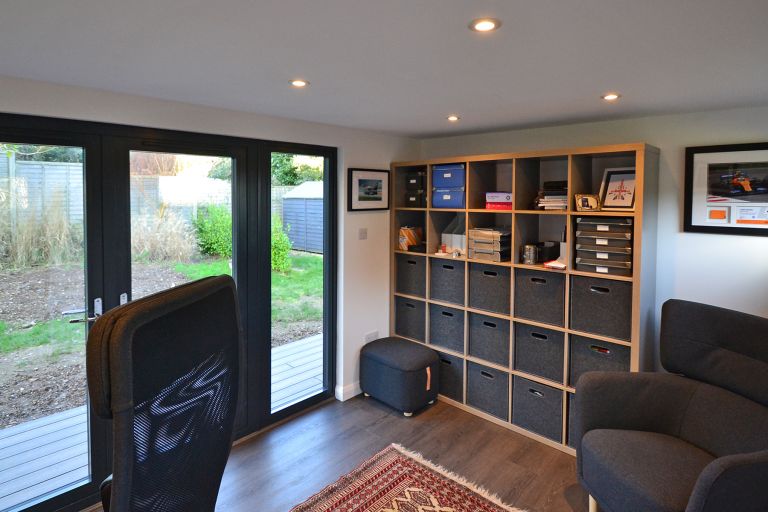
379	256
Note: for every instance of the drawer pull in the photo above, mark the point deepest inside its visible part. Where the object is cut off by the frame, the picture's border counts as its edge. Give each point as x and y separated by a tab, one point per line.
447	313
409	305
446	362
599	349
538	280
448	267
411	262
486	374
537	394
539	336
490	273
489	324
599	289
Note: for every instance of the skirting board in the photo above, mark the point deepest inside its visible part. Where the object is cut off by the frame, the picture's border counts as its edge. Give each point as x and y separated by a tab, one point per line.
344	393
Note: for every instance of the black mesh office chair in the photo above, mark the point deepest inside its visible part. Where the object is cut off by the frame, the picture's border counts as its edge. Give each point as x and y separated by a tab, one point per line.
165	369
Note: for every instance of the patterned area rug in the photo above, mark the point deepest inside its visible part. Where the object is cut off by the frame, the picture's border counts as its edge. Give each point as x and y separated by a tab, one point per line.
397	480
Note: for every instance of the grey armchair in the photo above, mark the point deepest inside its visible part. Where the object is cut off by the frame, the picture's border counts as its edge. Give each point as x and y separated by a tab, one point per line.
694	439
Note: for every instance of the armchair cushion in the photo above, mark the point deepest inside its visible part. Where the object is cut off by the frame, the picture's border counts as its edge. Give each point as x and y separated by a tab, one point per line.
639	471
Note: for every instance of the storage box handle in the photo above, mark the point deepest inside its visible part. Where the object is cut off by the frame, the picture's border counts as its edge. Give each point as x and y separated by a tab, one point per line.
537	394
448	267
409	305
600	350
446	313
539	336
446	362
411	262
599	289
489	324
538	280
490	273
486	374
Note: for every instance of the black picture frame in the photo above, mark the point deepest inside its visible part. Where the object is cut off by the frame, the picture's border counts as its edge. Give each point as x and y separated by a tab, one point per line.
353	190
689	224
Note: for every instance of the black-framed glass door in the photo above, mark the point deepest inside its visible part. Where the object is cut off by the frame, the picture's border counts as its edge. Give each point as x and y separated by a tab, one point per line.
52	450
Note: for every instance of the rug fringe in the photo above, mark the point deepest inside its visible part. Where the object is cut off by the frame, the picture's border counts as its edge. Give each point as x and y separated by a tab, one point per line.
456	478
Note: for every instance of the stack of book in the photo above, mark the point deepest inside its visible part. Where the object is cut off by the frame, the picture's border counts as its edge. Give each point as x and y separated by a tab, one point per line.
553	196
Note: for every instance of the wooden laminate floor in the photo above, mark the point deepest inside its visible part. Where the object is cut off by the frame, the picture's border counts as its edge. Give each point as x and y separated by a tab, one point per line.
281	467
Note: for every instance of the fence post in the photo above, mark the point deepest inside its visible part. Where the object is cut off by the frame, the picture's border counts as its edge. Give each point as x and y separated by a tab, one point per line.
12	194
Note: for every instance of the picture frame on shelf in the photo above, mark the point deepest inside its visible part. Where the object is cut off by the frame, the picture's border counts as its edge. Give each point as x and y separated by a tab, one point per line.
587	202
617	191
367	190
726	189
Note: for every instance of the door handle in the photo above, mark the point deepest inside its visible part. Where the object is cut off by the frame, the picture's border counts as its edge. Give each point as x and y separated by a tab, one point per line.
98	309
83	320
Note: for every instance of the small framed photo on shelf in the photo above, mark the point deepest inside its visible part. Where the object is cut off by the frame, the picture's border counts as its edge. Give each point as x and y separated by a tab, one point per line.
587	203
367	189
617	192
726	189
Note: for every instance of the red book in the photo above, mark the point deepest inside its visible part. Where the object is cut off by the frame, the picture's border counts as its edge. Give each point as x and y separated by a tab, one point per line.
498	206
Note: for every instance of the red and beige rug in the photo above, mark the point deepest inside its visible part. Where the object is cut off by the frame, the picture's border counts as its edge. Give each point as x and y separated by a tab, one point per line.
397	480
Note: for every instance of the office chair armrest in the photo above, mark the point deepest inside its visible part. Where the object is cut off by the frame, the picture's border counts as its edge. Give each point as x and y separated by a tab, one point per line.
651	402
733	482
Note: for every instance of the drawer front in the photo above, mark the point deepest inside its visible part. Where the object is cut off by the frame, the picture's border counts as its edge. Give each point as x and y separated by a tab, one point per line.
415	199
604	224
488	390
603	240
416	180
540	296
489	338
447	280
448	176
538	408
446	327
448	198
539	351
598	255
613	268
587	355
601	306
489	287
410	318
451	377
411	274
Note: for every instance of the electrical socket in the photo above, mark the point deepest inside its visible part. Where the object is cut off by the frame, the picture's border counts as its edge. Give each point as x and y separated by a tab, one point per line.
373	335
362	234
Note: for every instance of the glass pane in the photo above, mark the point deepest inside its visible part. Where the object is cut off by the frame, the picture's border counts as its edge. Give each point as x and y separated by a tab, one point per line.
44	447
181	219
297	278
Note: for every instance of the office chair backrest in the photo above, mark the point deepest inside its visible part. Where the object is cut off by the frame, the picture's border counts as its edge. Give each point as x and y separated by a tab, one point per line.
165	369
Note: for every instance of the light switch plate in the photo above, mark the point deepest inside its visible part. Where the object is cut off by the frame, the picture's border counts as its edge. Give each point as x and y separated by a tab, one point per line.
362	234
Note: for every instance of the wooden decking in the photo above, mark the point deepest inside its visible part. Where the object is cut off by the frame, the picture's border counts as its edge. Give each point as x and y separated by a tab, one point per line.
51	453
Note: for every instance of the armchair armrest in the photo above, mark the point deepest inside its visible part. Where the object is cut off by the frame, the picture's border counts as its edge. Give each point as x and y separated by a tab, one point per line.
733	482
651	402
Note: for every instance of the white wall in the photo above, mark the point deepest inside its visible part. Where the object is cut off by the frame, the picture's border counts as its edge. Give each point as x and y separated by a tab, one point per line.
724	270
363	275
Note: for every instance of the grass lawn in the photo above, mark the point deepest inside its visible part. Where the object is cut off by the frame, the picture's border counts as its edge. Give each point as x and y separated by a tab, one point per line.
297	295
65	336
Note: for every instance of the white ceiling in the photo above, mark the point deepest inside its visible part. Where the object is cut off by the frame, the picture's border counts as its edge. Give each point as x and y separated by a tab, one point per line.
401	65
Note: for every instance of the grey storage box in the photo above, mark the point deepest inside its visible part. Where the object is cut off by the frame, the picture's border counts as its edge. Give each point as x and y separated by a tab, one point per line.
601	306
400	373
538	408
489	287
489	338
415	199
540	296
588	355
410	318
488	390
411	274
446	280
539	351
416	180
451	376
446	327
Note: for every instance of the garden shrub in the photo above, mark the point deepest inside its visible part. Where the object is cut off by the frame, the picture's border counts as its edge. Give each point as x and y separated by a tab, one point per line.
214	230
281	246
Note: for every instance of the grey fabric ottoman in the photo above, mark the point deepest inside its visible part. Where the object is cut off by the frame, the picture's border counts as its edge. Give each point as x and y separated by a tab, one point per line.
400	373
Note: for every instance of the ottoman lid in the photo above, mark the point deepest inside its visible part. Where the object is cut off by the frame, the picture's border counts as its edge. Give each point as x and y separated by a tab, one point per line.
400	354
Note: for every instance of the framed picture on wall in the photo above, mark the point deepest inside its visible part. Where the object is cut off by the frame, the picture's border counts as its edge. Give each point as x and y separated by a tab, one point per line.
726	189
367	189
617	192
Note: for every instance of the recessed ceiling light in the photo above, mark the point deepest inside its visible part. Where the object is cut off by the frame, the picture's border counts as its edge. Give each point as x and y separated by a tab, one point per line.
299	83
485	24
611	96
453	118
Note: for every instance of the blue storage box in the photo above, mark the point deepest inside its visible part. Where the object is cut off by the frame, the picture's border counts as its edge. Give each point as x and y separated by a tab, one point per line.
448	198
448	176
